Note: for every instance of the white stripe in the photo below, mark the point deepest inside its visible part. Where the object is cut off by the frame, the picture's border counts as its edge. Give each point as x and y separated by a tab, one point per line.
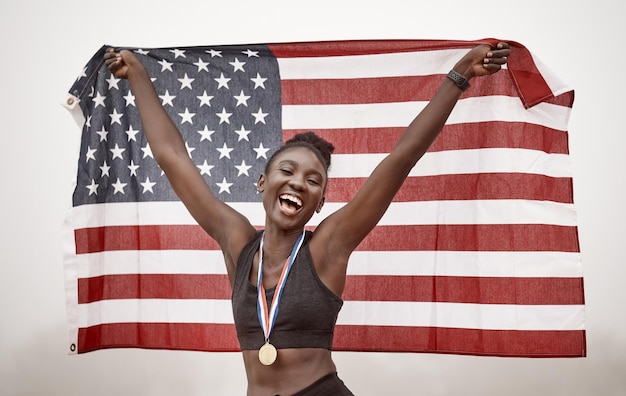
509	211
198	262
455	315
455	162
418	63
394	263
485	264
376	115
473	316
155	311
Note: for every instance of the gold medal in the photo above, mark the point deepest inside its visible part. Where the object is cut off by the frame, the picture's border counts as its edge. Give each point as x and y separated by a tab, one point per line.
267	354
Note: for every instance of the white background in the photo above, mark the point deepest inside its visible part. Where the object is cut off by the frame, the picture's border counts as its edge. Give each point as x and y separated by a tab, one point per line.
45	44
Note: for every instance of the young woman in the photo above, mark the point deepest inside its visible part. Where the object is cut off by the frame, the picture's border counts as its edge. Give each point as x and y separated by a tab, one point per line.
292	356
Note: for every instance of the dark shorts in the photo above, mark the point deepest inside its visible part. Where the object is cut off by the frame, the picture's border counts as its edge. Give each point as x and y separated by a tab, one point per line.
326	386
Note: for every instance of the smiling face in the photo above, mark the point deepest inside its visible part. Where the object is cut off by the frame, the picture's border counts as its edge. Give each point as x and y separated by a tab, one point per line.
293	187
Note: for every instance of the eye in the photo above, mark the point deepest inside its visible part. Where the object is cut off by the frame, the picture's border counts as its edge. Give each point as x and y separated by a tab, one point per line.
314	182
286	171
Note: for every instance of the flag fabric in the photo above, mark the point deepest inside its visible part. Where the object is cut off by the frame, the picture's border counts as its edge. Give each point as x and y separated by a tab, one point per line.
478	253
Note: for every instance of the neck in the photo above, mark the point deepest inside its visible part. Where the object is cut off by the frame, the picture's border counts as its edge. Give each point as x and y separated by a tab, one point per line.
277	246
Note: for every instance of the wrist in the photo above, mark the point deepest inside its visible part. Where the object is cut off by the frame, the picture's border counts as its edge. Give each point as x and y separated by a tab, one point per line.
459	80
464	68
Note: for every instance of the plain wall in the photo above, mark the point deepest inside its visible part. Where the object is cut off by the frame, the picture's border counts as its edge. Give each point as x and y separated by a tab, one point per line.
45	44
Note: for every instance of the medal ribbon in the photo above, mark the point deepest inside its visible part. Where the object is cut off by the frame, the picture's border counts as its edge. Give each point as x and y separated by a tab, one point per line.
267	318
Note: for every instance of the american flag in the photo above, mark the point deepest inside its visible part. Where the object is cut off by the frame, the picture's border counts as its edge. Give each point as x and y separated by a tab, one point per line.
478	253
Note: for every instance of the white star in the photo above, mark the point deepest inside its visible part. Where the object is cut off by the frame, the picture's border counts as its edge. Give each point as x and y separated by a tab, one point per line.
189	149
142	51
99	100
165	65
82	74
103	134
147	151
118	186
167	98
132	133
224	151
113	82
237	65
185	82
259	81
116	117
205	99
117	152
222	81
261	151
214	53
93	187
206	134
205	169
224	186
259	116
88	121
133	168
243	134
105	169
202	65
224	116
147	185
251	53
187	116
243	168
178	53
90	154
130	99
242	99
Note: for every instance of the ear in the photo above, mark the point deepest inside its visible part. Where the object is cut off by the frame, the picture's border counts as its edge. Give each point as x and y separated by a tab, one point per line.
319	207
260	185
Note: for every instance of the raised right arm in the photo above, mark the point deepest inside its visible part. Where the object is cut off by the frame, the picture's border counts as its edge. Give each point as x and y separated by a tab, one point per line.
227	226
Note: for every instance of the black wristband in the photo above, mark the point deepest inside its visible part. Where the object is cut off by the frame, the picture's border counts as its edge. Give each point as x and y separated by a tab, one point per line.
459	80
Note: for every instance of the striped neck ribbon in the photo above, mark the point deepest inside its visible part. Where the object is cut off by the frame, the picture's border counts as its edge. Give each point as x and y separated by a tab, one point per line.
267	317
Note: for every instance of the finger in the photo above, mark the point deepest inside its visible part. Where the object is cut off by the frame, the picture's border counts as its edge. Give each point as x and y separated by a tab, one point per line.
492	67
494	60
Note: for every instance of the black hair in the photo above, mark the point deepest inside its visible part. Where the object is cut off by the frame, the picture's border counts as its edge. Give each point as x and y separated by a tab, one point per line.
321	147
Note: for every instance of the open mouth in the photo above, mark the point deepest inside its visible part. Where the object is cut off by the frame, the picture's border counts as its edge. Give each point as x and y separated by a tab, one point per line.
290	204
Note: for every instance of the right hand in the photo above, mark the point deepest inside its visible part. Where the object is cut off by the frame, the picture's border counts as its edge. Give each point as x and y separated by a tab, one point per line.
119	62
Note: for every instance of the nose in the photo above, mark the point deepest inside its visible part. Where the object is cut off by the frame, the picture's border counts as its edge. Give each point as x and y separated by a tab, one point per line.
297	183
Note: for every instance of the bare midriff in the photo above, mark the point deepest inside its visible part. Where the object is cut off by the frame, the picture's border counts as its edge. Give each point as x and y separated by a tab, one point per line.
293	370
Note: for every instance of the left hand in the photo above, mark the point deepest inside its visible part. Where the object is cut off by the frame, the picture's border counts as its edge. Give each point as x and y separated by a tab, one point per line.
483	60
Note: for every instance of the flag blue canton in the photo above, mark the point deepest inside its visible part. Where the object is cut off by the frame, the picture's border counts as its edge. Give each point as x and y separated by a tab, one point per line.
225	101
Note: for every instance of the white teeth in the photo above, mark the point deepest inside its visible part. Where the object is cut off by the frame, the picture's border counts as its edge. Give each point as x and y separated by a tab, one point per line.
291	198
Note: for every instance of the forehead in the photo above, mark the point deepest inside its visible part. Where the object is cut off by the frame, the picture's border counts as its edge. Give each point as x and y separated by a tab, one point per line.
301	156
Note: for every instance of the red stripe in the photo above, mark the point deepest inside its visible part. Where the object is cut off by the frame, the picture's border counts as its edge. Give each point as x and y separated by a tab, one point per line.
482	237
185	336
171	286
492	134
148	237
459	289
567	343
383	89
365	47
222	338
471	290
465	187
